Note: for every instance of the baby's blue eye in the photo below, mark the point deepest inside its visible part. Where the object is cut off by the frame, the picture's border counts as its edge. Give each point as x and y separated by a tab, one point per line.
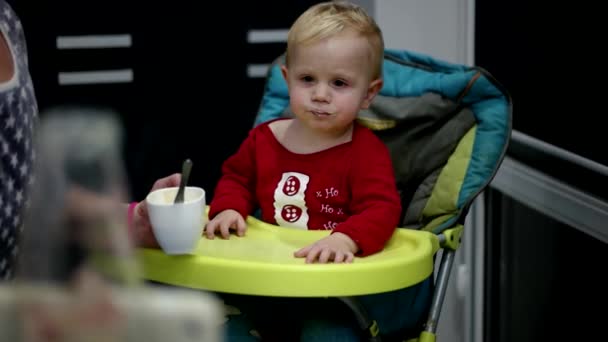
307	78
340	83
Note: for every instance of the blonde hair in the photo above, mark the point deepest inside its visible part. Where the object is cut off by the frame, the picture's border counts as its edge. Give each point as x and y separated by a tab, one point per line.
330	18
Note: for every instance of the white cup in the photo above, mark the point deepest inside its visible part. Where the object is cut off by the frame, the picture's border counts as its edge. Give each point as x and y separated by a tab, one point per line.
177	227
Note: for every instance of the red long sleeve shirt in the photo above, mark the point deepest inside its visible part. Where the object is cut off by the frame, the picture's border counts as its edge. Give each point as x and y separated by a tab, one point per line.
349	188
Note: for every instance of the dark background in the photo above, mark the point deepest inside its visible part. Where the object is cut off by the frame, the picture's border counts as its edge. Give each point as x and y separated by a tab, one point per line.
543	278
191	96
547	55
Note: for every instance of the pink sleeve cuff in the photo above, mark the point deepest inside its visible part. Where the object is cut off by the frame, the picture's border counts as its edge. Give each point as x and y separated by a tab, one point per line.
130	213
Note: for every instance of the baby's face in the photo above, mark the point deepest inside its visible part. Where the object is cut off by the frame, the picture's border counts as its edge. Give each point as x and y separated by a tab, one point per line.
330	81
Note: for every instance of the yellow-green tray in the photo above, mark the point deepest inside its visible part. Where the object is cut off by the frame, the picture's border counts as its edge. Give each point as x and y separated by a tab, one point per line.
262	263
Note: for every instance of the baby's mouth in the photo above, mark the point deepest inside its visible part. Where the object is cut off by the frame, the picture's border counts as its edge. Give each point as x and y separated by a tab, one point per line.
320	113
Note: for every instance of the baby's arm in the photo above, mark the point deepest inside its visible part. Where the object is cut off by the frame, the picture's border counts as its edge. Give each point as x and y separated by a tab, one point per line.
375	206
234	197
375	209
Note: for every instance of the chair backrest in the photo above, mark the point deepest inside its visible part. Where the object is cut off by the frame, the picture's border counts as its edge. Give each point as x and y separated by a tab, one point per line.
447	127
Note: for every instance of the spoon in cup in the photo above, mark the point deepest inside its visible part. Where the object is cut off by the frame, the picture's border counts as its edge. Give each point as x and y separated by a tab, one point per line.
186	167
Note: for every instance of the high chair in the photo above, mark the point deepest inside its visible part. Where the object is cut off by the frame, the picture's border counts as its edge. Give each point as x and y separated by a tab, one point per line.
447	127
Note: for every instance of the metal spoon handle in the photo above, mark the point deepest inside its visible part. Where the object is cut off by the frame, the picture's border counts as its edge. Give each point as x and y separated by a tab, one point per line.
186	166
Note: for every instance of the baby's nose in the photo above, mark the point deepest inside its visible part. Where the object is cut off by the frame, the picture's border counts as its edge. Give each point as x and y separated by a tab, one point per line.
321	93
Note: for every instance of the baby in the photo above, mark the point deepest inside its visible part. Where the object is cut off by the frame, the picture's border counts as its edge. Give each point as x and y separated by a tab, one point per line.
320	169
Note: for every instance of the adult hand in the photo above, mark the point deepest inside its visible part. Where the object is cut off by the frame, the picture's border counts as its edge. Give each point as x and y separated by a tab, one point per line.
141	228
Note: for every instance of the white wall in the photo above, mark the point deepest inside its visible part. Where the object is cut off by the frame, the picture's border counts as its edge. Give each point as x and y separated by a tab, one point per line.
441	28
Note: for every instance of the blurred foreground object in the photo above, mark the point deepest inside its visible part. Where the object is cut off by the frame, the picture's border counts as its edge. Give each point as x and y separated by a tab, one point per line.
76	213
36	313
77	278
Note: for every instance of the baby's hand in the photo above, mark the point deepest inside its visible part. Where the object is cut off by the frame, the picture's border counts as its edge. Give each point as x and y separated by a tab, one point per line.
337	247
224	221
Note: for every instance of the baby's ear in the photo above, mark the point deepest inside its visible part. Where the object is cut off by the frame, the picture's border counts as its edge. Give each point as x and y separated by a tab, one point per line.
372	91
284	71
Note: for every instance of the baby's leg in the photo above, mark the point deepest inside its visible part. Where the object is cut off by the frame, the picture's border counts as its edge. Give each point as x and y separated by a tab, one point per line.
238	326
400	313
329	330
329	320
255	318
